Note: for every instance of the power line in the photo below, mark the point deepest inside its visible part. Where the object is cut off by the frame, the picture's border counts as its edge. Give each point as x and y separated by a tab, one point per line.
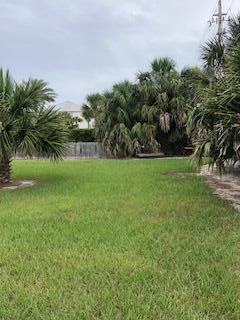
217	17
232	3
204	33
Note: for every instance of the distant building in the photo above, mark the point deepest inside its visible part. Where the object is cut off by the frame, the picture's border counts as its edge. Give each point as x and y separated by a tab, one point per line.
74	110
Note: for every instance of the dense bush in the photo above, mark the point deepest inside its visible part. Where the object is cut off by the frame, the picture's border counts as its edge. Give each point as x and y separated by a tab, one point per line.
81	135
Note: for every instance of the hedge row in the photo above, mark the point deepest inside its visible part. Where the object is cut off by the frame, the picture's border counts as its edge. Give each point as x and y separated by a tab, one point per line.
81	135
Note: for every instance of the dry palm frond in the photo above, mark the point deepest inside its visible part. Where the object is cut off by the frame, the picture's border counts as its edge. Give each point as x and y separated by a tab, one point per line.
165	122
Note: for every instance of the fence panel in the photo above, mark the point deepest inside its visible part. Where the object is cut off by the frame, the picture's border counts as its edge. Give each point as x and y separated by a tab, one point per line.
85	150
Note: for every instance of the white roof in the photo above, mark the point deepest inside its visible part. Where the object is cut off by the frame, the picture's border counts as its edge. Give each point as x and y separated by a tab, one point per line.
69	106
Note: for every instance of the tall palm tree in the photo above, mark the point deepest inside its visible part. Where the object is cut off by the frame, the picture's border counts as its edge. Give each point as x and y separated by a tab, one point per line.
215	122
214	52
165	105
233	31
213	56
27	125
92	107
195	81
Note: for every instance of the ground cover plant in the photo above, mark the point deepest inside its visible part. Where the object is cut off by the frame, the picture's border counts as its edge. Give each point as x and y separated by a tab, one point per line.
125	239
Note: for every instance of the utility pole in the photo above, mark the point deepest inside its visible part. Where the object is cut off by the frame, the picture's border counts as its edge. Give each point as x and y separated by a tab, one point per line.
219	18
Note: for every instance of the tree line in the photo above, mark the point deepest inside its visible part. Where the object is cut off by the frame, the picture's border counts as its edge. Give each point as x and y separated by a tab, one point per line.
168	110
164	109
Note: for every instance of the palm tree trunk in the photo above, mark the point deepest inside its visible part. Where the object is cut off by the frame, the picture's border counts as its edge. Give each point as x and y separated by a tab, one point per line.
5	170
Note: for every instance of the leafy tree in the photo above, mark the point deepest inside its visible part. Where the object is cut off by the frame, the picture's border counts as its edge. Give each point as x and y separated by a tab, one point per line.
27	125
71	122
81	135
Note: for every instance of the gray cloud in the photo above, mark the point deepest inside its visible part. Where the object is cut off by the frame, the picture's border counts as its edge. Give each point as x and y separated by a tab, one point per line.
83	46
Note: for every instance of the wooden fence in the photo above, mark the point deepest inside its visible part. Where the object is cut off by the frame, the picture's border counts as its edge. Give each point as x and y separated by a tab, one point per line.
84	150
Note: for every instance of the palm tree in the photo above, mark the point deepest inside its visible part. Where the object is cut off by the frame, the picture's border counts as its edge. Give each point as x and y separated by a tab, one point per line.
214	52
113	124
137	117
213	56
215	122
165	104
27	126
91	109
233	32
120	127
195	81
87	114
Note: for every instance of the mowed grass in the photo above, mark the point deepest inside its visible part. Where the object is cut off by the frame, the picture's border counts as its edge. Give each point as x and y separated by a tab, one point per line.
117	240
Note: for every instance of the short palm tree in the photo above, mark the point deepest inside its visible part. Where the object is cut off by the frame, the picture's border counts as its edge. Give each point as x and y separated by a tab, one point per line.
119	124
113	127
27	125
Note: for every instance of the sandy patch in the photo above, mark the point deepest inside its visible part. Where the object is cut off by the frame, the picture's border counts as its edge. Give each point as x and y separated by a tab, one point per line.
18	184
227	185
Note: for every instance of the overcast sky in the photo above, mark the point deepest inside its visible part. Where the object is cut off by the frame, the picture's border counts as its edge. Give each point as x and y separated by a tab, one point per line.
83	46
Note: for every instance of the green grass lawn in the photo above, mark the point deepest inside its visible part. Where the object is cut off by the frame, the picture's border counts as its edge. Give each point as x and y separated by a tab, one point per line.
117	240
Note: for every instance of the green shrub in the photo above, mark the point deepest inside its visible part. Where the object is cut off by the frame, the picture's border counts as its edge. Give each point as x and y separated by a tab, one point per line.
81	135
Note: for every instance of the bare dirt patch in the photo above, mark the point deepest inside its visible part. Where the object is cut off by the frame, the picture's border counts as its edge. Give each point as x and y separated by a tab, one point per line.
18	184
227	185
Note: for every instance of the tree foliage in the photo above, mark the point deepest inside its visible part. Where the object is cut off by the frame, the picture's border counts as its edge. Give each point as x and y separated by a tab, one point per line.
92	107
146	115
81	135
27	124
215	122
119	125
70	121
